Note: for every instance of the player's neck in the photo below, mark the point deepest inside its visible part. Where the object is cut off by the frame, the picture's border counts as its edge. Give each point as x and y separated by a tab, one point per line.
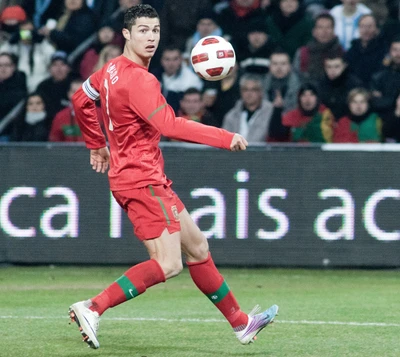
144	62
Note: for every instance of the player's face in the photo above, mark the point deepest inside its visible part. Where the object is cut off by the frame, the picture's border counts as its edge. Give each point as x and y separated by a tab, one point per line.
308	100
323	31
358	105
144	37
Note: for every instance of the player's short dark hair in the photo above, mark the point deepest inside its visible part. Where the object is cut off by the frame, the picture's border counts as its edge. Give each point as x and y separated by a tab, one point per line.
334	55
13	57
280	51
326	16
137	11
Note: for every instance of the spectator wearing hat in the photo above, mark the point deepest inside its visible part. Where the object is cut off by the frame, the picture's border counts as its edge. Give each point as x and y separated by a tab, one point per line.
10	18
55	89
366	53
290	26
34	53
76	24
311	121
206	26
253	55
308	61
12	88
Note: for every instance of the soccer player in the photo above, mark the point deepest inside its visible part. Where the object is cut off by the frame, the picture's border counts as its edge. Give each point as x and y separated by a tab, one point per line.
135	115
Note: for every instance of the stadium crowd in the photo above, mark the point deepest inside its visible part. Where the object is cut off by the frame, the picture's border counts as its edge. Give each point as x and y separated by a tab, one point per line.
316	71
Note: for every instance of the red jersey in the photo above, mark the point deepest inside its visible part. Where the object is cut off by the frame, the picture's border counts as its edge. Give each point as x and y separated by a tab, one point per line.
135	115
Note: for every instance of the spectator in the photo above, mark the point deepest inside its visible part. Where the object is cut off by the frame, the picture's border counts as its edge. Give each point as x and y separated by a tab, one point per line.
336	85
366	53
105	36
311	121
281	85
315	7
309	60
360	125
10	19
34	123
107	53
40	11
103	9
73	27
64	127
234	19
12	88
206	26
219	97
54	89
251	115
391	27
175	76
290	26
391	125
385	83
34	54
346	20
178	20
192	107
116	20
253	56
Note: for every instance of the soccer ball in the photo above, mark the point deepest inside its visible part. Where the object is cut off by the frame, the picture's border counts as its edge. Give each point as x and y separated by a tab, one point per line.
213	58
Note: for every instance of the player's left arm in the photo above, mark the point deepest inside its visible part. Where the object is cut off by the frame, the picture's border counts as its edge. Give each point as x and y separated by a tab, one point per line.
146	100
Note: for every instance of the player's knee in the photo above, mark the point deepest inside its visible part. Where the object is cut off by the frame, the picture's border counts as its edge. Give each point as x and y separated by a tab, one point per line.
198	252
172	268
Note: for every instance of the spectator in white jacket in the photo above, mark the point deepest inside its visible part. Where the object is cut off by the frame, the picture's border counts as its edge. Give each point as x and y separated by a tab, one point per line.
34	54
346	20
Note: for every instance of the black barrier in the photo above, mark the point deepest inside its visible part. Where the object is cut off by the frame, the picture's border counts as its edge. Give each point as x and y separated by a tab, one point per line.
268	206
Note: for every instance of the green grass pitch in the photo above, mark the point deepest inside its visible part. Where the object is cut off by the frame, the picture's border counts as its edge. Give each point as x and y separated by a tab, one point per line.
322	313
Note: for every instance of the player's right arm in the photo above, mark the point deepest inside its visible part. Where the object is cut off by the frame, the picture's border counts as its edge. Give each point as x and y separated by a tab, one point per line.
148	102
84	105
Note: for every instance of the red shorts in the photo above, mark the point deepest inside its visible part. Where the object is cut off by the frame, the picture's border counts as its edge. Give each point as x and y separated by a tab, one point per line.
151	209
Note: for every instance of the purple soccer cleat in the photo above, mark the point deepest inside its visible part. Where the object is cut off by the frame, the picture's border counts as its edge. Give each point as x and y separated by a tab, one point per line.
256	323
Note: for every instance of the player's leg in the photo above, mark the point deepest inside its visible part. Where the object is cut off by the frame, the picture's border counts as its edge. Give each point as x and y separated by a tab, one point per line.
208	279
146	209
205	274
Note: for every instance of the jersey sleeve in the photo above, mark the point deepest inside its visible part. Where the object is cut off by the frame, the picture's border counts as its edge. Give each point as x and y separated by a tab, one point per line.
147	101
83	102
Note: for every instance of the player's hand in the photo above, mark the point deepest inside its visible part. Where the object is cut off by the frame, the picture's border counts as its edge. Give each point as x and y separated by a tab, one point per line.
238	143
99	159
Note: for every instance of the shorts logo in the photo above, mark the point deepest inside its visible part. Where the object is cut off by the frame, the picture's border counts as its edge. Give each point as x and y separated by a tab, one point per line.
175	213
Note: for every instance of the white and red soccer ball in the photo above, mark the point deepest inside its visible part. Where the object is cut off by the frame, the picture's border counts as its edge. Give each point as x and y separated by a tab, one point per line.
213	58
